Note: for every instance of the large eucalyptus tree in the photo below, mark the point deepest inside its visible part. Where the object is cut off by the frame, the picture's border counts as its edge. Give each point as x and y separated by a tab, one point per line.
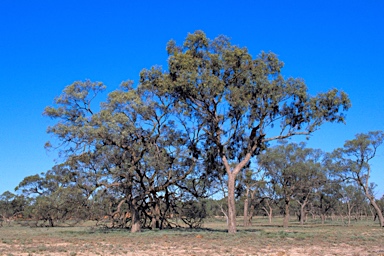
237	103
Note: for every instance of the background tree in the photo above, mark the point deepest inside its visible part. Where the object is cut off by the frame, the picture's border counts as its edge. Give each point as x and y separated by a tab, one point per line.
7	210
248	188
352	198
313	175
352	163
12	206
238	101
295	172
327	198
269	197
55	197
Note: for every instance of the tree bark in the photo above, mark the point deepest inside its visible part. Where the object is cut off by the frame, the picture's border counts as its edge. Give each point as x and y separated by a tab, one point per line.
286	213
269	212
231	204
302	214
378	210
350	207
136	224
246	205
155	216
372	201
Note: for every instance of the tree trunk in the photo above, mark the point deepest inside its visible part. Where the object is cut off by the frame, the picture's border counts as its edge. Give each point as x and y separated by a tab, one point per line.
302	214
373	214
378	210
286	214
270	215
322	218
231	204
136	224
156	216
349	213
246	221
250	214
246	205
50	222
269	212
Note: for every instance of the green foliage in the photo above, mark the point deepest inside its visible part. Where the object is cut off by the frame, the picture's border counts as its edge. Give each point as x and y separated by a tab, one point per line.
296	173
12	206
56	196
352	163
237	98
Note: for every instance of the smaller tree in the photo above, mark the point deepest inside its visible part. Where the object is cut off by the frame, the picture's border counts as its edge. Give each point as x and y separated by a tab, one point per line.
327	198
11	206
55	198
352	163
269	198
6	206
351	198
248	186
295	172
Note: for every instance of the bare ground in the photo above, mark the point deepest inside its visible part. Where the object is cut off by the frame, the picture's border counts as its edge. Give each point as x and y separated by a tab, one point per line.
258	240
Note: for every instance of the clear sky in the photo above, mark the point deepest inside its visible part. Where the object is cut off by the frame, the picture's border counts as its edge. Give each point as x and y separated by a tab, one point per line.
46	45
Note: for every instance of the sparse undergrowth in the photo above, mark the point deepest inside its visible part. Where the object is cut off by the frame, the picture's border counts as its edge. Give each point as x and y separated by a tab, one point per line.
362	238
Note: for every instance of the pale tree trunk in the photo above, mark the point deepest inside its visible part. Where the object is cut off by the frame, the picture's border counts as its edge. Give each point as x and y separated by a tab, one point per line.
371	198
232	173
250	215
302	214
231	203
350	207
302	211
372	201
249	208
269	212
224	212
270	215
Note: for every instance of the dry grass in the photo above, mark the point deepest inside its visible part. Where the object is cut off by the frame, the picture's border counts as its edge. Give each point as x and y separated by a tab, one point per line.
363	238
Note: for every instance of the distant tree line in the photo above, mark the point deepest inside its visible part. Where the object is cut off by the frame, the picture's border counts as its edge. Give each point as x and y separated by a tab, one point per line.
214	125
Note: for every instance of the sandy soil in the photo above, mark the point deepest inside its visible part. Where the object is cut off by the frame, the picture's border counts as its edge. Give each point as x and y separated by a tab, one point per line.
184	245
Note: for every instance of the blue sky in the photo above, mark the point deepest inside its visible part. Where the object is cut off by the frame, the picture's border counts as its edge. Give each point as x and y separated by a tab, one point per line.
46	45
